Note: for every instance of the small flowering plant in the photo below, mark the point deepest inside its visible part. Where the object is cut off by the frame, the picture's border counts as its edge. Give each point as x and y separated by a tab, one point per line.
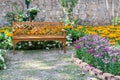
33	10
98	52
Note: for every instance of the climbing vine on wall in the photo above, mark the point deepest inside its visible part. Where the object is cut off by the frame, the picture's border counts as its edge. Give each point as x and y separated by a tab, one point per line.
68	6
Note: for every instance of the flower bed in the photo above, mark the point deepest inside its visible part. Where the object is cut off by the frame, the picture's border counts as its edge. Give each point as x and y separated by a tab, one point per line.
98	53
94	71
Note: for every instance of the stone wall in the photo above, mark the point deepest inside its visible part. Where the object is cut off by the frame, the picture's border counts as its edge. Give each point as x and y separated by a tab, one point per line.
92	12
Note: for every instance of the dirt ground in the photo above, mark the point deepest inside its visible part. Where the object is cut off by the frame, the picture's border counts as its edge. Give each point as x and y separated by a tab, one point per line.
43	65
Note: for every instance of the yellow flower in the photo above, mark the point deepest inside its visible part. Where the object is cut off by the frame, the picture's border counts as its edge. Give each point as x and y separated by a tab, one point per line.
8	33
105	31
112	42
66	27
2	30
112	35
117	39
102	35
93	33
79	28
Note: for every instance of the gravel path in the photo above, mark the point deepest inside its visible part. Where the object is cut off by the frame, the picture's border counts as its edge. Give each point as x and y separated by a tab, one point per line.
42	65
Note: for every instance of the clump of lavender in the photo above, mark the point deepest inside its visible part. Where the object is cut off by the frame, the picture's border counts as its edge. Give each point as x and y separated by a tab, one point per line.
104	54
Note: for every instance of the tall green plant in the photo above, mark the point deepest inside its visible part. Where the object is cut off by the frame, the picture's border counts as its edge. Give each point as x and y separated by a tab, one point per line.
116	21
68	6
27	2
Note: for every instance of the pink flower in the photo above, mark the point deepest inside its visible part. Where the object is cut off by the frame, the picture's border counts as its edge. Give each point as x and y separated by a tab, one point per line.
77	47
113	59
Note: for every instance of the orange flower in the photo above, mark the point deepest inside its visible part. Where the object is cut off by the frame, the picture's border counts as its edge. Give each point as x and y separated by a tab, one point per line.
112	35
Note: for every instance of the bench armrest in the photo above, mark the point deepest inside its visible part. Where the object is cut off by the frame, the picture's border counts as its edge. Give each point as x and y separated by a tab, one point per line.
64	32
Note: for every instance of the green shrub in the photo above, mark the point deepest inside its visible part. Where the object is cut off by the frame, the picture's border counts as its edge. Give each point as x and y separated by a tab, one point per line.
6	38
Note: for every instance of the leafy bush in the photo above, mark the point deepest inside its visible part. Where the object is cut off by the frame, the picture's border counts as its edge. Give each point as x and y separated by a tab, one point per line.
75	34
2	60
6	38
98	52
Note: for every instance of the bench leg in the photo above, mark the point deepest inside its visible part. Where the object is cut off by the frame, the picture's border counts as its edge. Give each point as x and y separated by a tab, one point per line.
13	47
64	45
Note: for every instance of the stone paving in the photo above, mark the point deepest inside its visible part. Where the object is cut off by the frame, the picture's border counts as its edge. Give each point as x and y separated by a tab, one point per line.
43	65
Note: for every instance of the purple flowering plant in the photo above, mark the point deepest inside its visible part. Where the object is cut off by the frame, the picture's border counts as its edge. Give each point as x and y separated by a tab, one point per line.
98	52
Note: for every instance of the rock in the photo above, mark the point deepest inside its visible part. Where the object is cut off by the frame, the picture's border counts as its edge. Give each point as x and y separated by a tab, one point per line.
107	76
117	77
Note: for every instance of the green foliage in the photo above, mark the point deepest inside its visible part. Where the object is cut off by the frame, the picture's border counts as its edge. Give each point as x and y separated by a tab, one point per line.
38	45
2	60
75	34
68	6
10	16
82	54
116	21
5	40
27	2
33	12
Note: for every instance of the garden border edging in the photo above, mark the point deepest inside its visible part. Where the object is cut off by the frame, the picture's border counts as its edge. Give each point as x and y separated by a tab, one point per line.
94	71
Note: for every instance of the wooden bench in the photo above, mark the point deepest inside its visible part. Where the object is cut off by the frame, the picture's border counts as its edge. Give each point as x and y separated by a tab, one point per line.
35	31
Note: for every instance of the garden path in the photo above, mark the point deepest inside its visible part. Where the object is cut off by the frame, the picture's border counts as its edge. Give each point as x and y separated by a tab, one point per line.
42	65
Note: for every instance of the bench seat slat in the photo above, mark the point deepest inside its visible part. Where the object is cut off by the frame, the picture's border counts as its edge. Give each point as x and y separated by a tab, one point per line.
37	37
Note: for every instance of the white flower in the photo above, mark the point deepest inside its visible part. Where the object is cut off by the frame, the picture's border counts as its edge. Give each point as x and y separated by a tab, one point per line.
1	57
38	43
49	45
47	48
68	44
26	43
19	47
30	44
